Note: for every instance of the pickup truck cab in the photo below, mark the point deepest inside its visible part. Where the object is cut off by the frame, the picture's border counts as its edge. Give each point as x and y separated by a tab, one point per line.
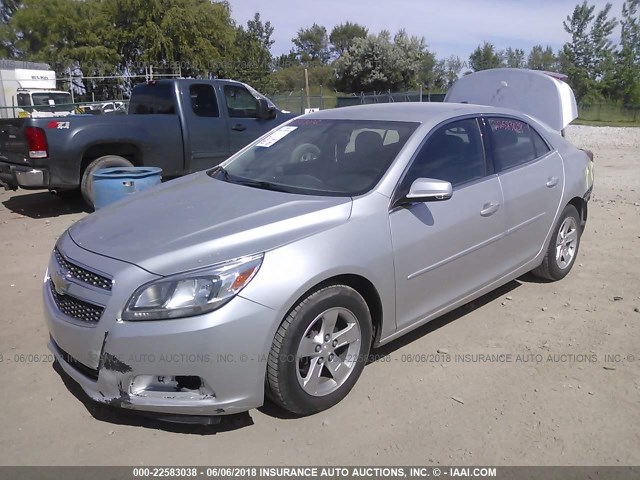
179	125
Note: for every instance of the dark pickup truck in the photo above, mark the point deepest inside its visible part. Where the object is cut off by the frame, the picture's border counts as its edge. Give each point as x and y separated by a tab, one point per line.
180	125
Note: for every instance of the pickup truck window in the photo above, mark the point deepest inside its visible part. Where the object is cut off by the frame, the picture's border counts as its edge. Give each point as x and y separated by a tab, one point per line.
153	98
203	100
240	102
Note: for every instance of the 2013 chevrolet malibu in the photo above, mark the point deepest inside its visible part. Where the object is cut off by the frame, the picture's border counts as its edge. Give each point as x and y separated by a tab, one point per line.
276	272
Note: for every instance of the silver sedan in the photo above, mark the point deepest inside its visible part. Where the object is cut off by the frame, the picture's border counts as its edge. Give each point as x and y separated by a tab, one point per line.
278	271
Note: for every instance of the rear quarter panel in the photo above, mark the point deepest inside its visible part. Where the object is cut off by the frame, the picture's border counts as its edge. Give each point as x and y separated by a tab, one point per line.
158	138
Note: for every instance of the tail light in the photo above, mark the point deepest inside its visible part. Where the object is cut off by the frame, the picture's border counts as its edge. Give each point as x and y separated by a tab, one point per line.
37	142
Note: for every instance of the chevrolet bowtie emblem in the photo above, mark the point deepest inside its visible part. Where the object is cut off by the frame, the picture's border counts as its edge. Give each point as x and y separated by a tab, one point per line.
60	282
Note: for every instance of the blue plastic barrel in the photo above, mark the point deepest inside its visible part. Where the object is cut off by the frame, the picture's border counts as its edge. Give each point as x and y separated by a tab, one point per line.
116	183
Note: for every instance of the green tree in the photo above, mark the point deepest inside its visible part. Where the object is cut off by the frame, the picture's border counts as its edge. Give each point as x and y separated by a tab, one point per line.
485	57
312	44
542	59
7	35
589	54
378	63
452	68
261	31
61	33
514	58
253	61
342	36
627	68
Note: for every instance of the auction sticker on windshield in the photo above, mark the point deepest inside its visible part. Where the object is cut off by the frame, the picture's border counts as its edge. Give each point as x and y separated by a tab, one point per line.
275	136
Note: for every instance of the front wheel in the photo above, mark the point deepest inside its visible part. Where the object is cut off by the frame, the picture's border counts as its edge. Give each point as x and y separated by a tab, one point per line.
563	247
319	350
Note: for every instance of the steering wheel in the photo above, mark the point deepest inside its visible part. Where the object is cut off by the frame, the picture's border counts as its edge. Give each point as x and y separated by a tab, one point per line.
304	153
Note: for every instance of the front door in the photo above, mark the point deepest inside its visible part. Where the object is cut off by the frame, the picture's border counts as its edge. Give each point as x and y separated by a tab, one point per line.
444	250
242	110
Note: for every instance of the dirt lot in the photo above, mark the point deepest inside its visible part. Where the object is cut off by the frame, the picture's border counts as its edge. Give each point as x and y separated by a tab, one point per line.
559	401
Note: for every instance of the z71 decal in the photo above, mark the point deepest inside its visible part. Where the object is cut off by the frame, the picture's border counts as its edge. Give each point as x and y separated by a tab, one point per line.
59	125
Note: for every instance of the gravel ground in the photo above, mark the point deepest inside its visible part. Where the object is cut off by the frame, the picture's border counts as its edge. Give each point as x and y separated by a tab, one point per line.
563	403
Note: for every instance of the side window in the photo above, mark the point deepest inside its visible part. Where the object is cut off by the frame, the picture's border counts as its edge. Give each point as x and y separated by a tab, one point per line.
203	100
155	98
512	144
453	153
539	144
240	102
24	100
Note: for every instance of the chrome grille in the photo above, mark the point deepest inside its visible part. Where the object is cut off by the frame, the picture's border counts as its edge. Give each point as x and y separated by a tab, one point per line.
83	274
74	308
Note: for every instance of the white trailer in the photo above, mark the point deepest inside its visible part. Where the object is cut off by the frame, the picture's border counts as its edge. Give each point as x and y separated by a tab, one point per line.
29	90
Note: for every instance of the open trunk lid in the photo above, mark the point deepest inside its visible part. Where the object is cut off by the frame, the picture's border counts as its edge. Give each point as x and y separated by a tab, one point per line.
542	95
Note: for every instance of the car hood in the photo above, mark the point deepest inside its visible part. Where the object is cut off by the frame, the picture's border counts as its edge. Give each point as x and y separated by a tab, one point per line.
197	221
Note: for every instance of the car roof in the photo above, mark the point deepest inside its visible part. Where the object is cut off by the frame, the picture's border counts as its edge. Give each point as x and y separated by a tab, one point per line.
407	111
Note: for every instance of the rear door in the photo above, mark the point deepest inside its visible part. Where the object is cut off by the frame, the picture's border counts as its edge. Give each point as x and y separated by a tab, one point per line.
445	250
241	109
207	128
532	179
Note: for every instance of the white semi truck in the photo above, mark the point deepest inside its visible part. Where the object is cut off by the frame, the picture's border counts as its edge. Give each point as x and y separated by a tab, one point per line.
29	90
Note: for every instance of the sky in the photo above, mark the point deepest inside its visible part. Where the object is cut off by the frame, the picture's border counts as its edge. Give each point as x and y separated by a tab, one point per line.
450	28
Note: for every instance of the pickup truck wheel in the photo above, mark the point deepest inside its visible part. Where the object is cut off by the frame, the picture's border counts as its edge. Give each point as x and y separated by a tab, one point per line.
319	350
108	161
563	247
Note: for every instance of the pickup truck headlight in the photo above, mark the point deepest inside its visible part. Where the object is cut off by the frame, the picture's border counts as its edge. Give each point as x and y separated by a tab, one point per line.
191	293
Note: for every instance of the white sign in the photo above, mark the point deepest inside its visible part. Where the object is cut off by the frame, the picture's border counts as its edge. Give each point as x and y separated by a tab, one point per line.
311	110
275	136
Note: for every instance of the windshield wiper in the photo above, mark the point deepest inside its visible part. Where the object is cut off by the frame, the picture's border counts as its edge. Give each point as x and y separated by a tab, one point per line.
261	184
221	173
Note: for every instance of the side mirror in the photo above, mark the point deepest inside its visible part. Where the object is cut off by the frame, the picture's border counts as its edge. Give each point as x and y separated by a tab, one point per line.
265	112
429	190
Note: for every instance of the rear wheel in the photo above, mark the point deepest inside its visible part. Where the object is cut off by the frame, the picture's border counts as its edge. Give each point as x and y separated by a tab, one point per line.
108	161
319	350
563	247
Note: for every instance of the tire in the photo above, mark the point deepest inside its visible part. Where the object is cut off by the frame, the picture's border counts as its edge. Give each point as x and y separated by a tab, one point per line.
108	161
563	246
290	380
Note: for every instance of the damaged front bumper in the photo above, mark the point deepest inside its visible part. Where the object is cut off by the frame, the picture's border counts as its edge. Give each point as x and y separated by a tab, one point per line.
212	364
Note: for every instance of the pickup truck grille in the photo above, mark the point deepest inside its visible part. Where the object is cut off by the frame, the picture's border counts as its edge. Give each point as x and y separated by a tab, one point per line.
82	274
75	308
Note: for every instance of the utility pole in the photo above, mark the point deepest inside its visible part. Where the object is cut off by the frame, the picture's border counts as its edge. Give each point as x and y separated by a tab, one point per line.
306	82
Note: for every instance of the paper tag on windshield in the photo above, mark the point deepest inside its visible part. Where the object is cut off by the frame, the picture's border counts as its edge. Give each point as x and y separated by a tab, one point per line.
275	136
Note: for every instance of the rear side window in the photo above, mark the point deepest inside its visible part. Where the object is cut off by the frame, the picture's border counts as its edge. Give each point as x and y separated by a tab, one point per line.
153	98
453	153
203	100
539	144
512	144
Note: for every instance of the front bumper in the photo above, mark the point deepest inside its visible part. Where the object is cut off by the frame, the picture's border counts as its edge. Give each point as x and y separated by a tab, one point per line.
18	176
137	362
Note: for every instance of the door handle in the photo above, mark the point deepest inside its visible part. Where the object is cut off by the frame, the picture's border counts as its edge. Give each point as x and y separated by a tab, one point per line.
238	127
489	209
552	181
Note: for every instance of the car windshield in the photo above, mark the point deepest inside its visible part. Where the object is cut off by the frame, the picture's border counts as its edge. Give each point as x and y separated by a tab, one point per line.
320	157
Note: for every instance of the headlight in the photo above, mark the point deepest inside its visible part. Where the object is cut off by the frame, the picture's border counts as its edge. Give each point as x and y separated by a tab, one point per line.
192	293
